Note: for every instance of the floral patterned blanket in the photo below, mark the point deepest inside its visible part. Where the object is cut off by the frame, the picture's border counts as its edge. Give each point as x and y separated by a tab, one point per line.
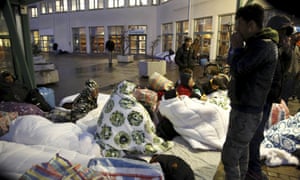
125	126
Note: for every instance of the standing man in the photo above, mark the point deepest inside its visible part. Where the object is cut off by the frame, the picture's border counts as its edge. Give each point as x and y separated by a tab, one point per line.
110	46
284	27
184	55
252	59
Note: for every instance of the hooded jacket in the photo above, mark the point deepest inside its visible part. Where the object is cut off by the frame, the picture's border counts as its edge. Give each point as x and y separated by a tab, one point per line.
252	69
284	57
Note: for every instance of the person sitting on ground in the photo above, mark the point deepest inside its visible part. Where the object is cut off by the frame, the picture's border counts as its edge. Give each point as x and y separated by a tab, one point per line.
215	83
85	101
13	91
187	86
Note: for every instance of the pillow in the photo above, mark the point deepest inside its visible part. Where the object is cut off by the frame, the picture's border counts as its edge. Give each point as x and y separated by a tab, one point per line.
159	82
5	119
21	108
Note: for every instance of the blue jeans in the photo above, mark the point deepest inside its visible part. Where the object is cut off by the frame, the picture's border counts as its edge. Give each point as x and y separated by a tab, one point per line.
235	154
254	154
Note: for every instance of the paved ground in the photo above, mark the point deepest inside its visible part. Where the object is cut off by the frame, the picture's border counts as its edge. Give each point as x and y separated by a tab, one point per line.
75	69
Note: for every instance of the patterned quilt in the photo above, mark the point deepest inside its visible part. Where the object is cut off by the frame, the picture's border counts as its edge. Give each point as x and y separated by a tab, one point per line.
284	135
125	126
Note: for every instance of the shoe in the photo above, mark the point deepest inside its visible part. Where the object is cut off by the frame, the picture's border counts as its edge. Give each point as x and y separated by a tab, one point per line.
256	176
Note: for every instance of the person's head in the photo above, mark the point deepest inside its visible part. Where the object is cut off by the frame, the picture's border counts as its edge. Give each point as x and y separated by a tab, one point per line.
7	77
283	25
169	94
186	77
249	20
217	82
93	87
196	41
188	41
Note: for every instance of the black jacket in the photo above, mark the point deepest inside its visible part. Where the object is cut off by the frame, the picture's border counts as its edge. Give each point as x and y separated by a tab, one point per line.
184	58
252	69
283	64
110	45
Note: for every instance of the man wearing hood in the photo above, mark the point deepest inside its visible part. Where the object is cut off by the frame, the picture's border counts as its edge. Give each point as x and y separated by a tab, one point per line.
283	26
252	59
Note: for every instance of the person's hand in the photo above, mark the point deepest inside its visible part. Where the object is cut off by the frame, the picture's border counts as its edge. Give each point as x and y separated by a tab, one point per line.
236	40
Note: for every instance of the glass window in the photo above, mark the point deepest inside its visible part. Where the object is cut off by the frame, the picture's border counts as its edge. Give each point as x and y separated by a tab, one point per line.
203	32
46	43
167	36
61	5
79	40
182	29
138	3
137	39
77	5
44	7
97	39
33	11
155	2
6	62
35	36
226	27
116	3
96	4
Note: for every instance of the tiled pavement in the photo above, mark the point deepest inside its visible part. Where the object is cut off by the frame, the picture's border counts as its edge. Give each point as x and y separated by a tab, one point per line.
75	69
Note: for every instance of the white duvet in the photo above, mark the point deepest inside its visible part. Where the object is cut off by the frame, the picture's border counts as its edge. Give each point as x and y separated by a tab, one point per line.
15	158
203	124
37	130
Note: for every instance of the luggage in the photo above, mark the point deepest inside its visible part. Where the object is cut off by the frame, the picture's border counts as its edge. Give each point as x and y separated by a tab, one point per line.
48	95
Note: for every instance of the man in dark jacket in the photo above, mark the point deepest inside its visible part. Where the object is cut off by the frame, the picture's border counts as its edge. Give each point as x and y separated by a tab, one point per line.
110	46
284	27
252	59
184	55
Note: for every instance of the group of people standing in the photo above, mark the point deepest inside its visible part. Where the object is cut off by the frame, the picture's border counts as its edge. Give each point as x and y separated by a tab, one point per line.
264	69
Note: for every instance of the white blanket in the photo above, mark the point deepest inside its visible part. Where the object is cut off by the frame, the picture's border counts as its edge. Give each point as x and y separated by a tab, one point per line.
16	158
37	130
203	124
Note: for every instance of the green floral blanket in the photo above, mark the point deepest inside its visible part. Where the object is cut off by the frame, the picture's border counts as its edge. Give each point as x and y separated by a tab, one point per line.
125	126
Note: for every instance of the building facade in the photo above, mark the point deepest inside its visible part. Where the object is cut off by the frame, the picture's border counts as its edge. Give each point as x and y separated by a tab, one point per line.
83	26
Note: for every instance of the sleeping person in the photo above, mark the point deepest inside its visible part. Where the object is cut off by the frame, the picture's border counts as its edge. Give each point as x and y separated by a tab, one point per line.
201	123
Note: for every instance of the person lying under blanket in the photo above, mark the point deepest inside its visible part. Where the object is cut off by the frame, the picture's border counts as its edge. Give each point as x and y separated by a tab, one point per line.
201	123
125	127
